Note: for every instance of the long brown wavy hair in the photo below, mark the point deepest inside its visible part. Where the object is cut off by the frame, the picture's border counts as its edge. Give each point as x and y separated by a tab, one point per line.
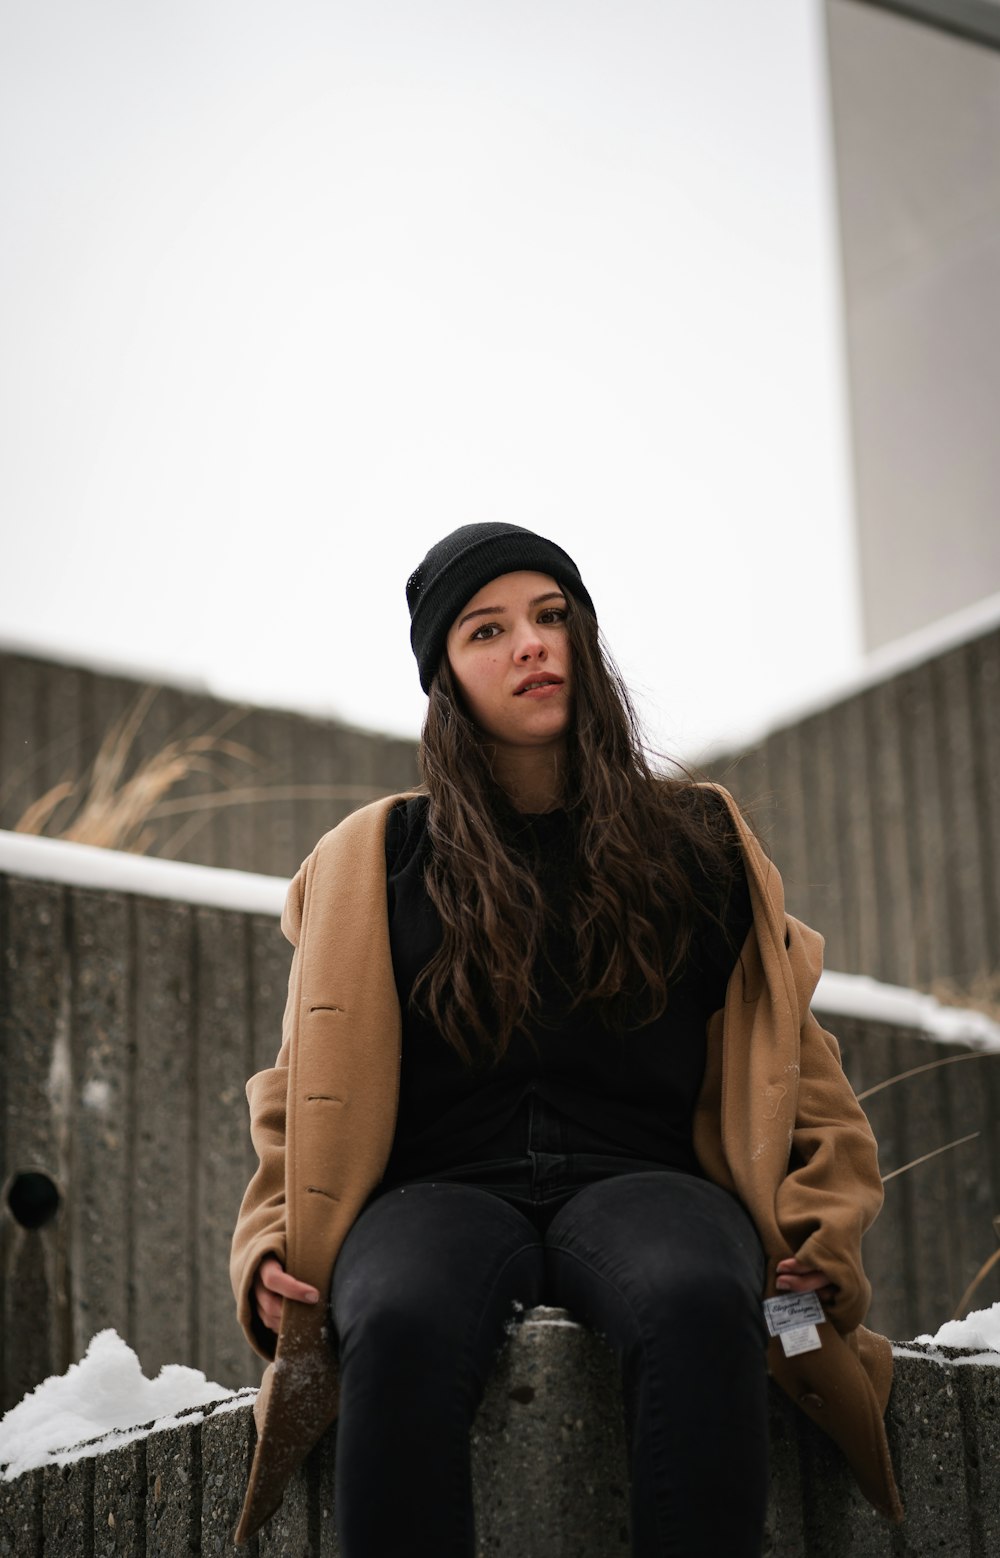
636	836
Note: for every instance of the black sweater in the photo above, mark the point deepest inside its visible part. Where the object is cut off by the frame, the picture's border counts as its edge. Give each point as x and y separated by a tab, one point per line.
636	1091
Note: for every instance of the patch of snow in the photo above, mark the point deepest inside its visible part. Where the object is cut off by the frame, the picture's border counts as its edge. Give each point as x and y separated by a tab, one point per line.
232	688
899	1350
856	995
84	865
881	665
990	1360
546	1314
84	658
931	641
101	1403
244	1397
979	1329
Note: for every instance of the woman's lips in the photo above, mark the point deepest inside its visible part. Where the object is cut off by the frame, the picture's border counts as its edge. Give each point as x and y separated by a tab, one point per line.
544	691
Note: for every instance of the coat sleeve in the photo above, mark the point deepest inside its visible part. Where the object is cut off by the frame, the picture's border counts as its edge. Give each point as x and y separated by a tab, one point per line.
832	1192
260	1226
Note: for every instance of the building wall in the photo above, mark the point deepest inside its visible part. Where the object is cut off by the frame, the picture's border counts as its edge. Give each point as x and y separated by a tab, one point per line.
916	126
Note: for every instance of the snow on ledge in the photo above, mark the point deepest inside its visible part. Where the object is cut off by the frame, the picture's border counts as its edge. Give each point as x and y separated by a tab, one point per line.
948	1358
84	865
880	665
106	1401
134	668
980	1328
103	1402
856	995
229	689
933	640
976	1339
547	1314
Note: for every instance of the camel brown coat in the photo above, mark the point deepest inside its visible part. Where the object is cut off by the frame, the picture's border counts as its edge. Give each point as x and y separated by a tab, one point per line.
776	1122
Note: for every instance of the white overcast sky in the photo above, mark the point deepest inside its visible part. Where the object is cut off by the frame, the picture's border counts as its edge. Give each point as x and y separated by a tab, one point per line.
289	290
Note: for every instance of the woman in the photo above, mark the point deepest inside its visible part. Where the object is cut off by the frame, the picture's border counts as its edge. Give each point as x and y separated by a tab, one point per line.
611	1096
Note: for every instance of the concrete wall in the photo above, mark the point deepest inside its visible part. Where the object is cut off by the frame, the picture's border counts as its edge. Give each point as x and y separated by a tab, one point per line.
935	1230
882	813
128	1027
549	1472
916	125
311	772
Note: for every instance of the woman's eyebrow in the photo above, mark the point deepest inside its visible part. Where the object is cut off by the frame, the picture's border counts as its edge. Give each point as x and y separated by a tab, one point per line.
483	611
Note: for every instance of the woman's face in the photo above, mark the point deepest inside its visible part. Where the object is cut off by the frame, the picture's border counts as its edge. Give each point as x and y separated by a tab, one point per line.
510	654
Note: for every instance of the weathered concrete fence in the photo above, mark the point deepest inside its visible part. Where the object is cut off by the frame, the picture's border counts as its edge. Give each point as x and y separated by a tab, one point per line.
883	814
128	1026
280	778
882	809
549	1471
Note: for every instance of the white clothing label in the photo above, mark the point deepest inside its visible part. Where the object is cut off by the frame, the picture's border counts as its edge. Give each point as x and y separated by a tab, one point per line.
805	1339
792	1312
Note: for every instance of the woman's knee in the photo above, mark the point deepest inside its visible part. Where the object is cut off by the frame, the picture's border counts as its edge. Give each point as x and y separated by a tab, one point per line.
431	1270
396	1328
695	1302
673	1247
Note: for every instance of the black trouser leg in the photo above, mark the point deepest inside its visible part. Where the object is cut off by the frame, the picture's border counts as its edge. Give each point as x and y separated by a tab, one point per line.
669	1269
422	1291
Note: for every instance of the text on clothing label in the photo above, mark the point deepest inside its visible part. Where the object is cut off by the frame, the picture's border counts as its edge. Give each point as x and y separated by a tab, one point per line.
792	1312
805	1339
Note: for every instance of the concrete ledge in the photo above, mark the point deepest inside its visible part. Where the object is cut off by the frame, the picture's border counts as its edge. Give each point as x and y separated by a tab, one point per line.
549	1473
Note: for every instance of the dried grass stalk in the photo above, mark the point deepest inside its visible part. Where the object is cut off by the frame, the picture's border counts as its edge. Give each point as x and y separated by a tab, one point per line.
925	1156
983	1271
930	1065
117	812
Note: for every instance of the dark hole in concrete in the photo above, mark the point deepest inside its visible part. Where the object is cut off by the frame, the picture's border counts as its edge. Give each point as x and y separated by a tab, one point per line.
33	1199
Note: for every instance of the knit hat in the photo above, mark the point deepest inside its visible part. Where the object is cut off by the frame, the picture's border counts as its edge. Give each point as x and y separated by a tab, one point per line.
455	568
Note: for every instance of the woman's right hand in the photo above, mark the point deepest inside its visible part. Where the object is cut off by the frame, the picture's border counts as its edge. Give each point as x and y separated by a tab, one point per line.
272	1285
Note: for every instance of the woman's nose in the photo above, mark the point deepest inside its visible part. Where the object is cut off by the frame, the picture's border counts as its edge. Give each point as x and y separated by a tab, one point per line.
530	647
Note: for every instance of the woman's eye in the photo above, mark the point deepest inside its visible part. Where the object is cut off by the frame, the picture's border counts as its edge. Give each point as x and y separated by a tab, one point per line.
553	614
486	632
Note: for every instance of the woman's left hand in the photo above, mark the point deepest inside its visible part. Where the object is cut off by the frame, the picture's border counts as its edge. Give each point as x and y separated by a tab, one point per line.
794	1277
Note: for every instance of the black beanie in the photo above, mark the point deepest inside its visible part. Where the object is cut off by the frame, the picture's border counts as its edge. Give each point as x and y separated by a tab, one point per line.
455	568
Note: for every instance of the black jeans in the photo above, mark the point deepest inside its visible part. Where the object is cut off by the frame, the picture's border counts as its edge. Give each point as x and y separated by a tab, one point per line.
667	1266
